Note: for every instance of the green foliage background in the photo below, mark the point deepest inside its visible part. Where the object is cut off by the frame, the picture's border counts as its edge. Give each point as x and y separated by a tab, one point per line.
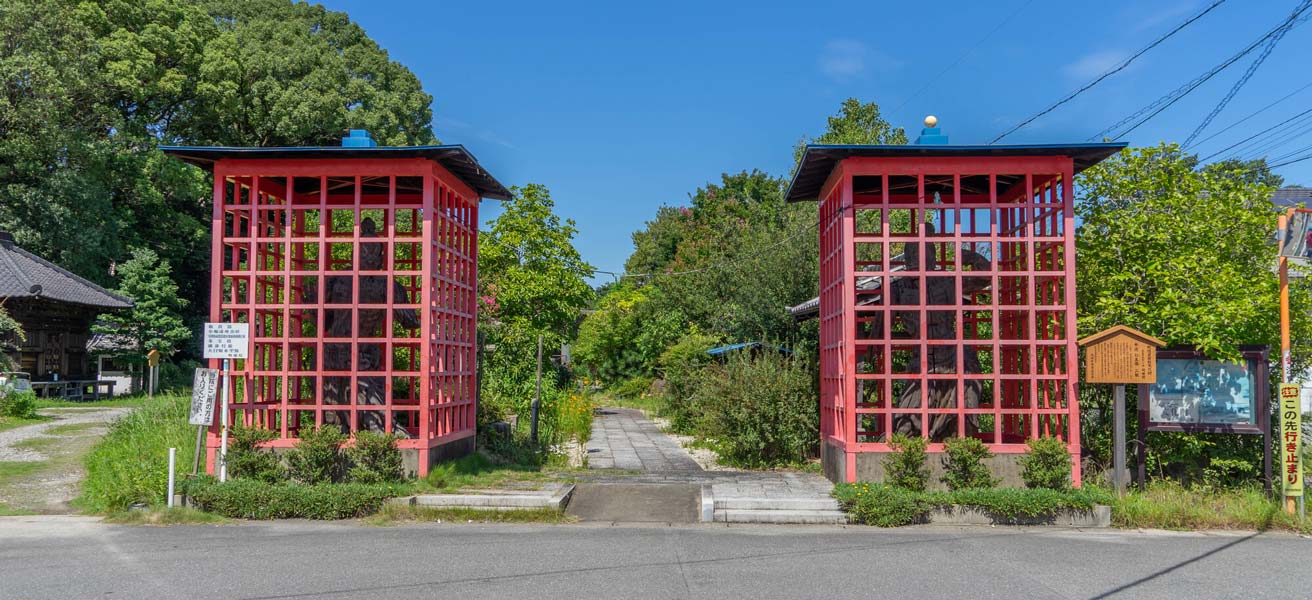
93	87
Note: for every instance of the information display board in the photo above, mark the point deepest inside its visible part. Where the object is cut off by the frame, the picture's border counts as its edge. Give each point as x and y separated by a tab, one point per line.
1195	393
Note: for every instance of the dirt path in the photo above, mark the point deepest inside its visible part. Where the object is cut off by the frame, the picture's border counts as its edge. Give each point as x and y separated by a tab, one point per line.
41	464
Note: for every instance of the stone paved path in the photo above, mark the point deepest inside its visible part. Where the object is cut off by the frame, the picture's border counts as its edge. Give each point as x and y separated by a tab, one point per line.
623	438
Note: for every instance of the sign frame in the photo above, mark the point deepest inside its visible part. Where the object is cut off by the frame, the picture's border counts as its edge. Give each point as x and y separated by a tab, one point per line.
1138	355
1257	357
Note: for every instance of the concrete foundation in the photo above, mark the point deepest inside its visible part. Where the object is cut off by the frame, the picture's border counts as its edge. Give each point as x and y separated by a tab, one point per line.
436	454
870	467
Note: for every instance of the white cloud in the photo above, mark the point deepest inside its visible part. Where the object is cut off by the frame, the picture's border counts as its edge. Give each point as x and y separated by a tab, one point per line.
843	60
450	124
1093	65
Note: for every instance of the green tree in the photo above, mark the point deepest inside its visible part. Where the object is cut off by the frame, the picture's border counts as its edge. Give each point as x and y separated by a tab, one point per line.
155	321
532	283
1185	254
1180	253
91	87
11	337
856	123
528	267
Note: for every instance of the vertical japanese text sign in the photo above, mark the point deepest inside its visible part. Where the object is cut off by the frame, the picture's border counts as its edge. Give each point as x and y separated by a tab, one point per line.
1291	433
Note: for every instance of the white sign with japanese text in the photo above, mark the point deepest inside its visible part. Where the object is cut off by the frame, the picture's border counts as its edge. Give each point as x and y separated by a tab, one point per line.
227	340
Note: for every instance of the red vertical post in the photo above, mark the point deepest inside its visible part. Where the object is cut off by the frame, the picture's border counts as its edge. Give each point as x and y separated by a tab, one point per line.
1072	350
426	324
847	219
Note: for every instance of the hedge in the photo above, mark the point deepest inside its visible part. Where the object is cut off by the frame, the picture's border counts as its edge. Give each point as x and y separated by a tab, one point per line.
249	499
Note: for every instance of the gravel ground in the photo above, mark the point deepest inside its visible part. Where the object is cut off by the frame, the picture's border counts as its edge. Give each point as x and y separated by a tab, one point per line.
51	488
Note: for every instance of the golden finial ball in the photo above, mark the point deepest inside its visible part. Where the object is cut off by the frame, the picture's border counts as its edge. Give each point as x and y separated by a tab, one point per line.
931	121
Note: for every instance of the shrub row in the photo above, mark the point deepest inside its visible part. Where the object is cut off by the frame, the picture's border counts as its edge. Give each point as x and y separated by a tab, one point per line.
251	499
1045	465
317	458
887	506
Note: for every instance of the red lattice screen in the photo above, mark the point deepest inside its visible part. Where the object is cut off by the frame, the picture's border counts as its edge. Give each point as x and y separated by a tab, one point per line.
358	278
947	303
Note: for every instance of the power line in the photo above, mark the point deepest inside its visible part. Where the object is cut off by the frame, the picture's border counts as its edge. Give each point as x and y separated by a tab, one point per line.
1253	114
965	54
1284	122
1113	71
1248	74
1266	147
1179	93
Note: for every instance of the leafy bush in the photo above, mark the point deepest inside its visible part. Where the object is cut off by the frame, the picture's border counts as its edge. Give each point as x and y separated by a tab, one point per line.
882	505
760	410
375	458
964	467
1046	465
907	466
317	457
130	464
632	387
250	499
18	405
887	506
681	365
247	460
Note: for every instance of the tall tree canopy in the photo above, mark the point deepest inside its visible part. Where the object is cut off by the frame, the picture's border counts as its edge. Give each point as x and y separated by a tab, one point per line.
90	89
725	266
1180	252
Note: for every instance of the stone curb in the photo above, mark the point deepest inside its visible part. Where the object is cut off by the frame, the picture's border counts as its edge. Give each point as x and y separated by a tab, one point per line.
1099	517
556	498
708	504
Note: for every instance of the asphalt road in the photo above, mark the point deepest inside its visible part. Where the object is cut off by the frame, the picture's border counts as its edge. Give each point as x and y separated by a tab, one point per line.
77	558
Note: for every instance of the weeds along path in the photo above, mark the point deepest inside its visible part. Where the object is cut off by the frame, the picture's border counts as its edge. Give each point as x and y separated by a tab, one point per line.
41	463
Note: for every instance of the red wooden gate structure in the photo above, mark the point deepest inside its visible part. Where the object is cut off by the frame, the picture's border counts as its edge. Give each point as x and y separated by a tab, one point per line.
947	295
356	267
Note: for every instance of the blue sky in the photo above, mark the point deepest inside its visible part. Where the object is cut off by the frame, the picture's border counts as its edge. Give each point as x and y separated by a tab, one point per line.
622	107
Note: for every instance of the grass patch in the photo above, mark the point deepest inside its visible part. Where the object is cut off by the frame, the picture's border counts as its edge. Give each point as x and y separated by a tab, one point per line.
15	469
7	423
478	470
165	517
72	428
130	464
9	511
393	515
887	506
117	401
650	403
40	444
1168	505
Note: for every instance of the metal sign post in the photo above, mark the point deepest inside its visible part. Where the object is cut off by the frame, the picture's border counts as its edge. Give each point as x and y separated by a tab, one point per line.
226	341
1293	231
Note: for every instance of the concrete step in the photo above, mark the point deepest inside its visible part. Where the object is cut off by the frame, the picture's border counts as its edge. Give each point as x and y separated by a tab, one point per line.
801	517
555	497
775	504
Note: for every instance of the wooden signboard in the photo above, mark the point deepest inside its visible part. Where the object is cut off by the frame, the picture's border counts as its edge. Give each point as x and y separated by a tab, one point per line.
1121	355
